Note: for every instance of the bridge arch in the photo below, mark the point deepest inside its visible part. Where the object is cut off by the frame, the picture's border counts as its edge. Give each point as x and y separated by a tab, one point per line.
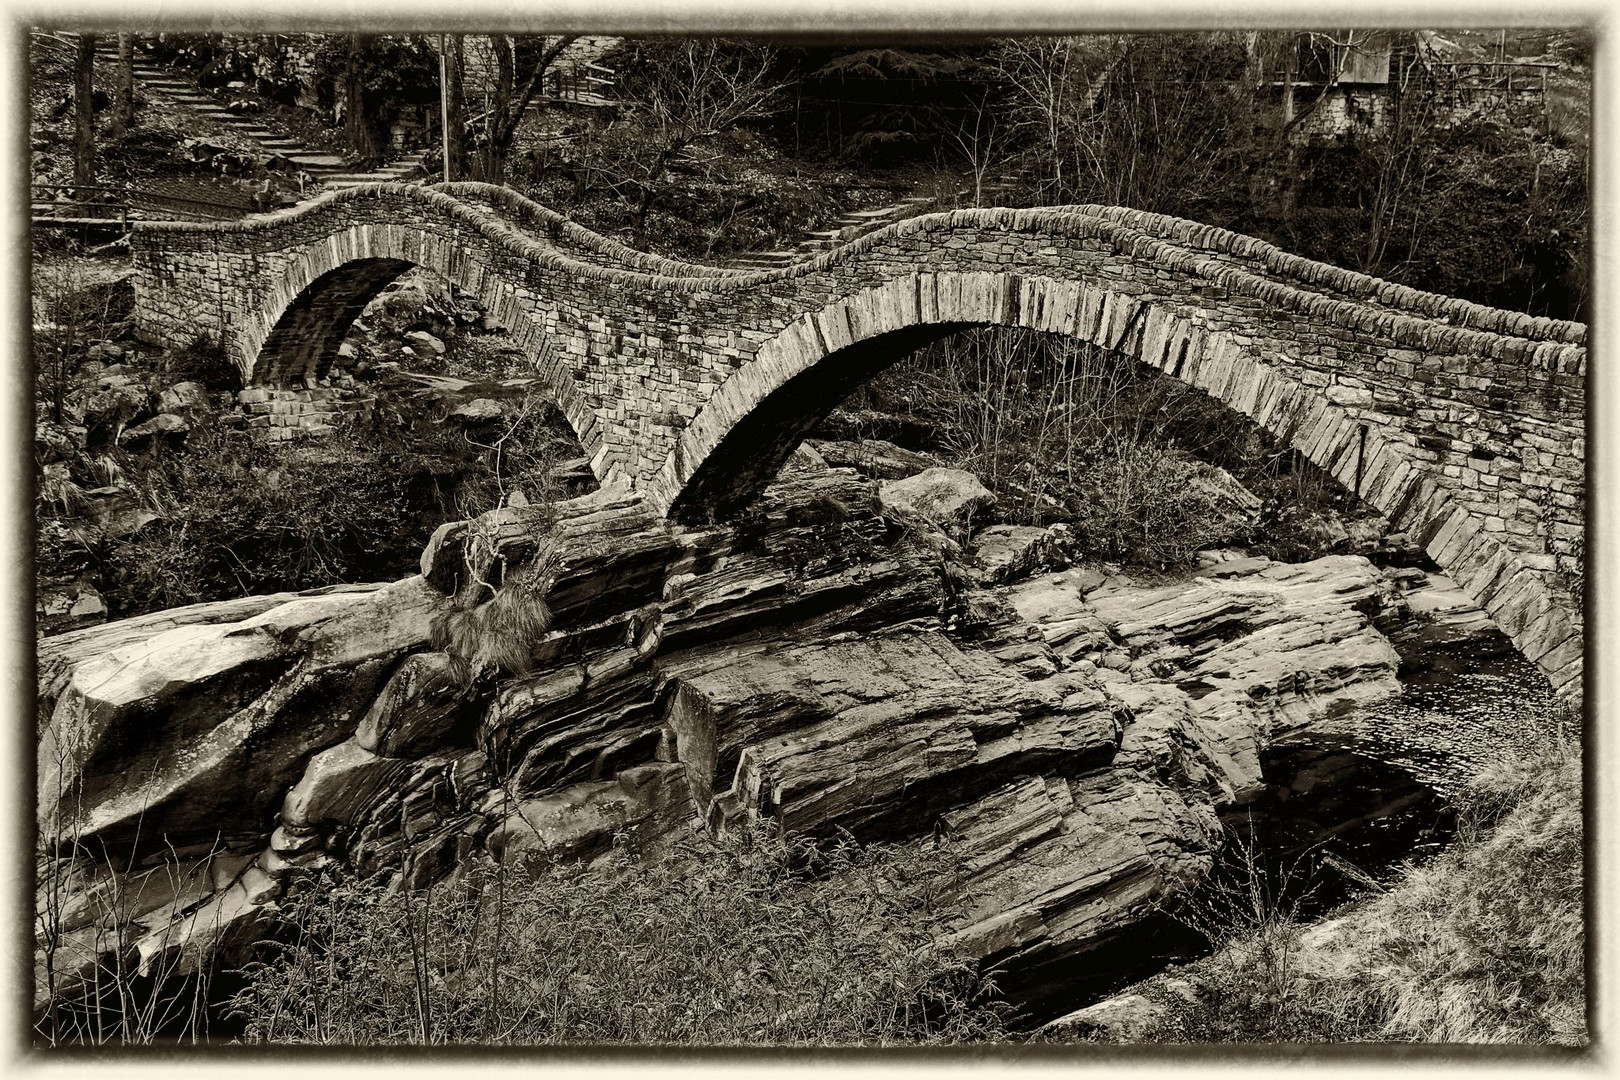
749	426
688	384
308	311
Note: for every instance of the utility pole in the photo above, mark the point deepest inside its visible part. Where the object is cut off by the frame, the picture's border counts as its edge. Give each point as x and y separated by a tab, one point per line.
444	101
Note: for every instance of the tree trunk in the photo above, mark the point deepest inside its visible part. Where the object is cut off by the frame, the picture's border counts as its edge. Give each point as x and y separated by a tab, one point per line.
492	155
84	129
508	103
455	134
124	92
355	128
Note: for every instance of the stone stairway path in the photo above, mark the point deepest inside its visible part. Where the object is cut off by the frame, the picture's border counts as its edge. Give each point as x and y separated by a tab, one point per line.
331	170
840	231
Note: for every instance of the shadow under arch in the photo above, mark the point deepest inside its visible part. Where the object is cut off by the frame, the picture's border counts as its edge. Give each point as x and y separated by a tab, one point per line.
305	339
752	452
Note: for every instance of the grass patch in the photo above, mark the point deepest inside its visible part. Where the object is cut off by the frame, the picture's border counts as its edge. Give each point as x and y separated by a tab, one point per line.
1484	944
754	939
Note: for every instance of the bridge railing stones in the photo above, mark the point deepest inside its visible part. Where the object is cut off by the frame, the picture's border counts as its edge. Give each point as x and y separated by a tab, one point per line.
1350	283
1429	405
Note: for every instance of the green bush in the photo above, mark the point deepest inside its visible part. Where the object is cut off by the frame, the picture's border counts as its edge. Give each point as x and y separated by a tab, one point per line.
751	940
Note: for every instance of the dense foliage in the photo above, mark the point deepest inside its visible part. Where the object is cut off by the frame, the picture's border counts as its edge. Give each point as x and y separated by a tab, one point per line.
377	77
233	518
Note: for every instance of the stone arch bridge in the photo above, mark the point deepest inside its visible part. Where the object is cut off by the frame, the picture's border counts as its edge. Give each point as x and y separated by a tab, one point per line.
691	384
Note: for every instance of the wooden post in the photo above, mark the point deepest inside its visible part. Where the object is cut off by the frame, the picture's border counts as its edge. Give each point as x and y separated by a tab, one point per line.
444	101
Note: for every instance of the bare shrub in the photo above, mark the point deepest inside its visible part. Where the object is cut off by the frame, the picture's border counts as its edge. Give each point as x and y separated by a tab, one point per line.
755	939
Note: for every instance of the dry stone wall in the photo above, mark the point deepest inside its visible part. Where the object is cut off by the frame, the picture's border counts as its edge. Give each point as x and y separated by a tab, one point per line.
281	415
1464	424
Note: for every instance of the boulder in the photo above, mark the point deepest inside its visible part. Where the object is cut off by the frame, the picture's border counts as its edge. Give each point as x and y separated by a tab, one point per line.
106	411
477	411
338	786
185	398
117	512
420	705
53	443
1008	552
424	342
649	805
1124	1019
196	724
1295	639
64	607
949	498
166	426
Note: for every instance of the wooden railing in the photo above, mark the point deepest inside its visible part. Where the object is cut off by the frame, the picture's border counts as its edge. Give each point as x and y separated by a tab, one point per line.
67	205
1503	76
70	204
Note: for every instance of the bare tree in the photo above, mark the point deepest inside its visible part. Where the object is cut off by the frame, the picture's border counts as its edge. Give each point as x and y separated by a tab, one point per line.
508	101
976	135
1405	157
683	91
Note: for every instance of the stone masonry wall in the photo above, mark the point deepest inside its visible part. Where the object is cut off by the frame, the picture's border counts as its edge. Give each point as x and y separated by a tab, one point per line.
1465	423
280	415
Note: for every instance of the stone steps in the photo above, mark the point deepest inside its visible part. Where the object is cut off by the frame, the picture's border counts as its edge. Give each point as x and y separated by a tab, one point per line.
331	170
841	230
177	90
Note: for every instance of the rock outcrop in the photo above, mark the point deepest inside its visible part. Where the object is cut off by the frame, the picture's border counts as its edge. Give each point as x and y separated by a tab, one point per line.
561	674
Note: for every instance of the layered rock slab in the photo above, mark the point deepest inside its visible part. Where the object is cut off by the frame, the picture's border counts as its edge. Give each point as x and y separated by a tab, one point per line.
1071	738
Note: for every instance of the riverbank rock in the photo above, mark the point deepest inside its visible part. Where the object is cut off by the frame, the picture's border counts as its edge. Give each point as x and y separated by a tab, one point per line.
1008	552
948	498
68	606
877	458
1073	740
